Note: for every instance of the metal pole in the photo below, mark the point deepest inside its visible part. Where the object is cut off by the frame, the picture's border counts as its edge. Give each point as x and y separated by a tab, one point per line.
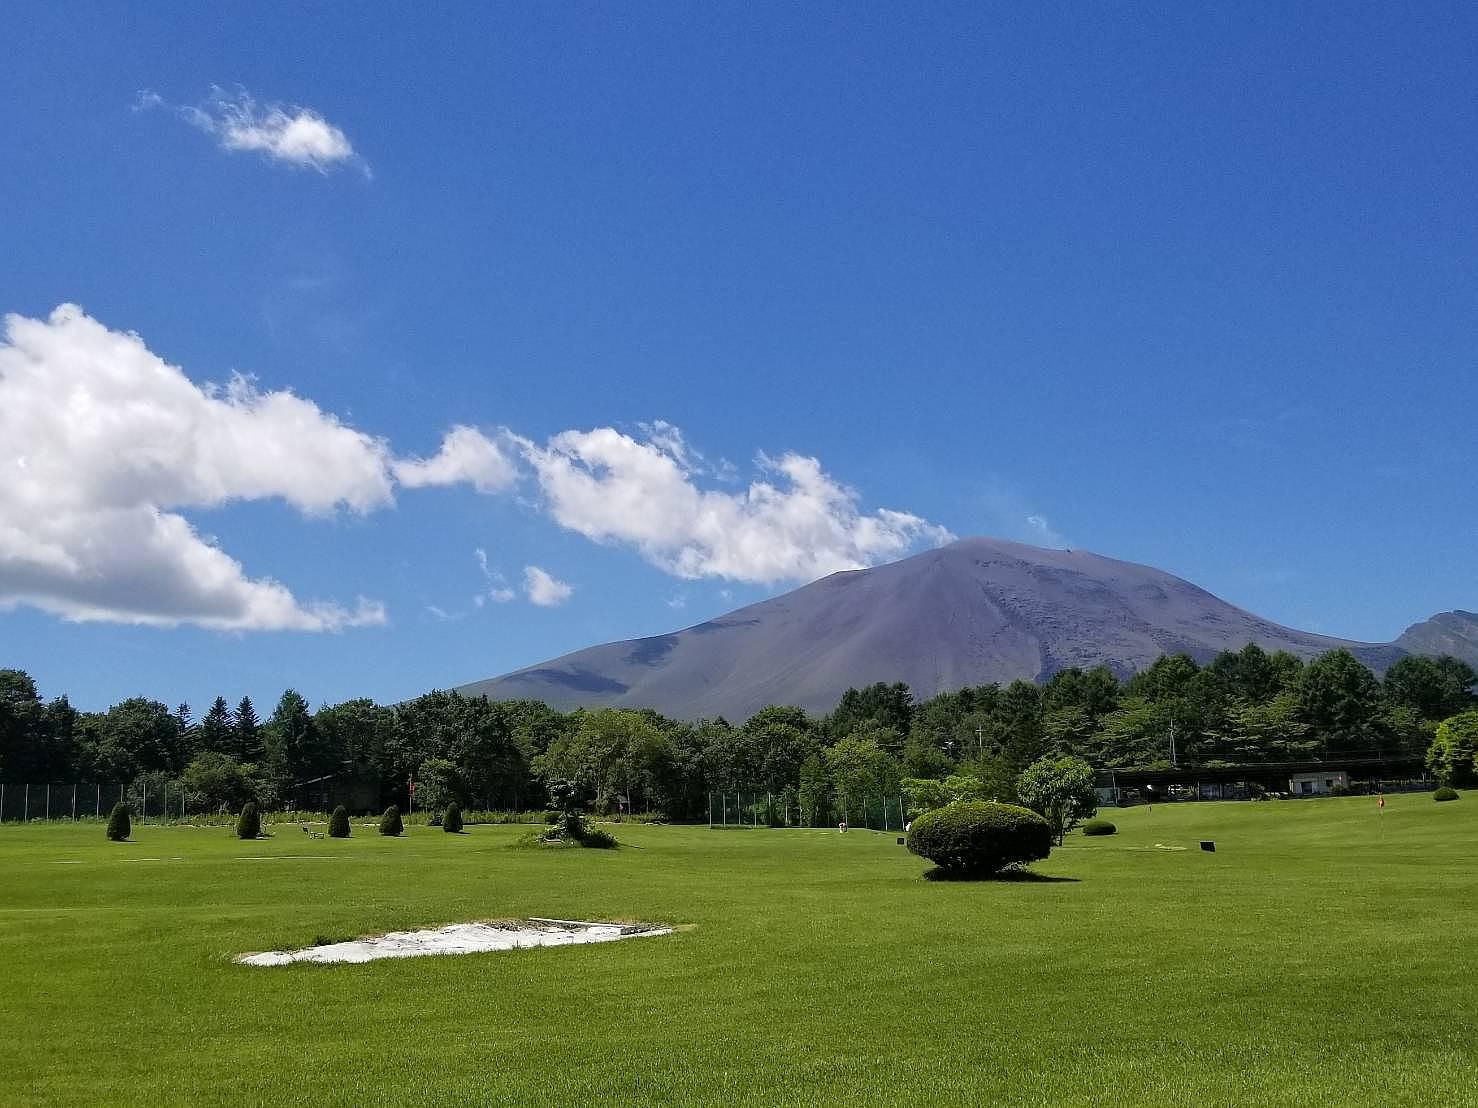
48	802
99	813
710	811
74	802
26	816
2	801
144	815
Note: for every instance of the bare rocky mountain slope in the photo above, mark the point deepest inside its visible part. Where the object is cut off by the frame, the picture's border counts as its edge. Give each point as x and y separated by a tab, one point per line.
976	611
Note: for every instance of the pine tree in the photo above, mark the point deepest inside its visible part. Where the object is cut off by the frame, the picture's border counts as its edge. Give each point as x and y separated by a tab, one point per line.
248	733
186	724
338	823
217	732
249	825
451	819
120	826
390	822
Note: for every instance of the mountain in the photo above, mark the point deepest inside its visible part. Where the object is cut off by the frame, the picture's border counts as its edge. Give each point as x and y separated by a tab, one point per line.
1454	633
976	611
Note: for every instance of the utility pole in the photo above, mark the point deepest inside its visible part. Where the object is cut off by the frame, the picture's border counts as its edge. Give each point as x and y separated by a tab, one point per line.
1174	764
980	741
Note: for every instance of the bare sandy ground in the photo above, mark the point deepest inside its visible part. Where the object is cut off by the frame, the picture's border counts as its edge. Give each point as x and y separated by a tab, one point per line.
460	938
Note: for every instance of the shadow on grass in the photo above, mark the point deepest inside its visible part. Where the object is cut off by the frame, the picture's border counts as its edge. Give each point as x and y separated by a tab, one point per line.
1024	876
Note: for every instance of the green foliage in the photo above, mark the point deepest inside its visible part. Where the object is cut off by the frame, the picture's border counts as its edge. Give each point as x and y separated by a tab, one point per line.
214	781
390	822
978	838
1060	790
1454	751
120	823
249	823
438	784
338	823
1099	827
1446	792
924	794
451	819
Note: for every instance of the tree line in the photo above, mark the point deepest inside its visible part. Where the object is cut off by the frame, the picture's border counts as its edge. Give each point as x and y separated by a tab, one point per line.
1245	707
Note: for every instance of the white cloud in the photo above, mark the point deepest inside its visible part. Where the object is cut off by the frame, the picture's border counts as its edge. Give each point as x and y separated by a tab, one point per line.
544	590
289	134
1042	533
466	455
498	591
800	525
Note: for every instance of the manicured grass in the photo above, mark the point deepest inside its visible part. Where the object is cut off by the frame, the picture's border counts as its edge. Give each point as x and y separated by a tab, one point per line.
1326	953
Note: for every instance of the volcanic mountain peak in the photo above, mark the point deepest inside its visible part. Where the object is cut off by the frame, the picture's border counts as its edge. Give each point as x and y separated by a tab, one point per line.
975	611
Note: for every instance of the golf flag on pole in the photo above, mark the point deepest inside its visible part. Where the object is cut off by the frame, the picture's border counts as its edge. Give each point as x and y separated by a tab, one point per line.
1382	801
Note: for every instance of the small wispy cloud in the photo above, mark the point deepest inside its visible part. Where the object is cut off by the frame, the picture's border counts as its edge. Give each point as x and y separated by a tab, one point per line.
543	589
497	591
288	134
1043	533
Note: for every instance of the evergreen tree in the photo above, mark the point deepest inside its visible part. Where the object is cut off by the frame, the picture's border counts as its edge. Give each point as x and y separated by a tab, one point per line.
338	823
451	819
249	824
120	826
217	732
248	733
390	822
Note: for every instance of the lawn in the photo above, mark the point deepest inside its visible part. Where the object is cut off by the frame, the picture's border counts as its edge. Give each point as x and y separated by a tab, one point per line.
1324	954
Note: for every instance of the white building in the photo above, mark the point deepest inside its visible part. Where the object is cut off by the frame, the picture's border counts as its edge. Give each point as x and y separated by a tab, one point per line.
1320	783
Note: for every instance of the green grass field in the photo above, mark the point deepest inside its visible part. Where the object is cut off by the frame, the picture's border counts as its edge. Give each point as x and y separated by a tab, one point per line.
1325	954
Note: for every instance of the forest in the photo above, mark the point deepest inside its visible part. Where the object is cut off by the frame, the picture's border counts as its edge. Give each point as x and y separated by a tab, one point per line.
1245	707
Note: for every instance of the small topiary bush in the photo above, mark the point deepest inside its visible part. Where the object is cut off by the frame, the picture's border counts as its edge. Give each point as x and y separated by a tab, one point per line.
120	823
974	838
390	823
451	819
597	839
1099	827
338	823
249	823
1446	792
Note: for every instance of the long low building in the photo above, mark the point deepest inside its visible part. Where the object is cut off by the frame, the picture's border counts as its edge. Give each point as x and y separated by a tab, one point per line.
1118	787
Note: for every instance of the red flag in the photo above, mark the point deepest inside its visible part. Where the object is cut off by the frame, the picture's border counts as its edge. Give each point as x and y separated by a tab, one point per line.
1382	801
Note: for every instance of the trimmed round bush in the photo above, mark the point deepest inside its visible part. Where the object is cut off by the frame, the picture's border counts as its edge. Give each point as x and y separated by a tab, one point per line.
976	838
1099	827
1446	792
120	823
390	823
451	819
338	823
249	823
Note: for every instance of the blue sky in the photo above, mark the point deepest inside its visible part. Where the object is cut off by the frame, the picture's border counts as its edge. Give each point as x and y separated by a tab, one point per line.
1187	287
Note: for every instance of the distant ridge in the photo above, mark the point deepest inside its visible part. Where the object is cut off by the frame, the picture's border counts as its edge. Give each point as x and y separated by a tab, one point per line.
976	611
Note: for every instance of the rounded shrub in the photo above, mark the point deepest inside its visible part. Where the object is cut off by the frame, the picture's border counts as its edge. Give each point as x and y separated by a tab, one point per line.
1099	827
975	838
120	823
338	823
249	823
390	822
451	819
1446	792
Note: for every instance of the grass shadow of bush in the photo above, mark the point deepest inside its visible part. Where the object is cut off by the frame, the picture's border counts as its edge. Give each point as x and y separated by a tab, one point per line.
1025	876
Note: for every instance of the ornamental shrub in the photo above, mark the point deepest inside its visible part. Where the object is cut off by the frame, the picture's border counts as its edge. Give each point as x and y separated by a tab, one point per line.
338	823
120	824
451	819
390	823
1099	827
249	823
1446	792
975	838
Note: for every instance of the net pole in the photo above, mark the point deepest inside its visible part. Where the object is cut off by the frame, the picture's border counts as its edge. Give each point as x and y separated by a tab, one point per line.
26	815
74	802
710	811
48	802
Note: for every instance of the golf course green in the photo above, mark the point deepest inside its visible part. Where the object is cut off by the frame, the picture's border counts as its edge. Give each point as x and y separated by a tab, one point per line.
1324	954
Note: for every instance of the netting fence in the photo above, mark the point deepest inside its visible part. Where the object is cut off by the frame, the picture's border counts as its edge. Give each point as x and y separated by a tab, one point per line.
753	808
92	800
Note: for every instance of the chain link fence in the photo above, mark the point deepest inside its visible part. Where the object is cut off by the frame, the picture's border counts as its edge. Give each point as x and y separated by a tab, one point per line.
92	800
753	808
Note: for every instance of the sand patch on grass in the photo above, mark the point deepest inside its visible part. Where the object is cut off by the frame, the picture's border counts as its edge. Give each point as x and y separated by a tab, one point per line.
460	938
